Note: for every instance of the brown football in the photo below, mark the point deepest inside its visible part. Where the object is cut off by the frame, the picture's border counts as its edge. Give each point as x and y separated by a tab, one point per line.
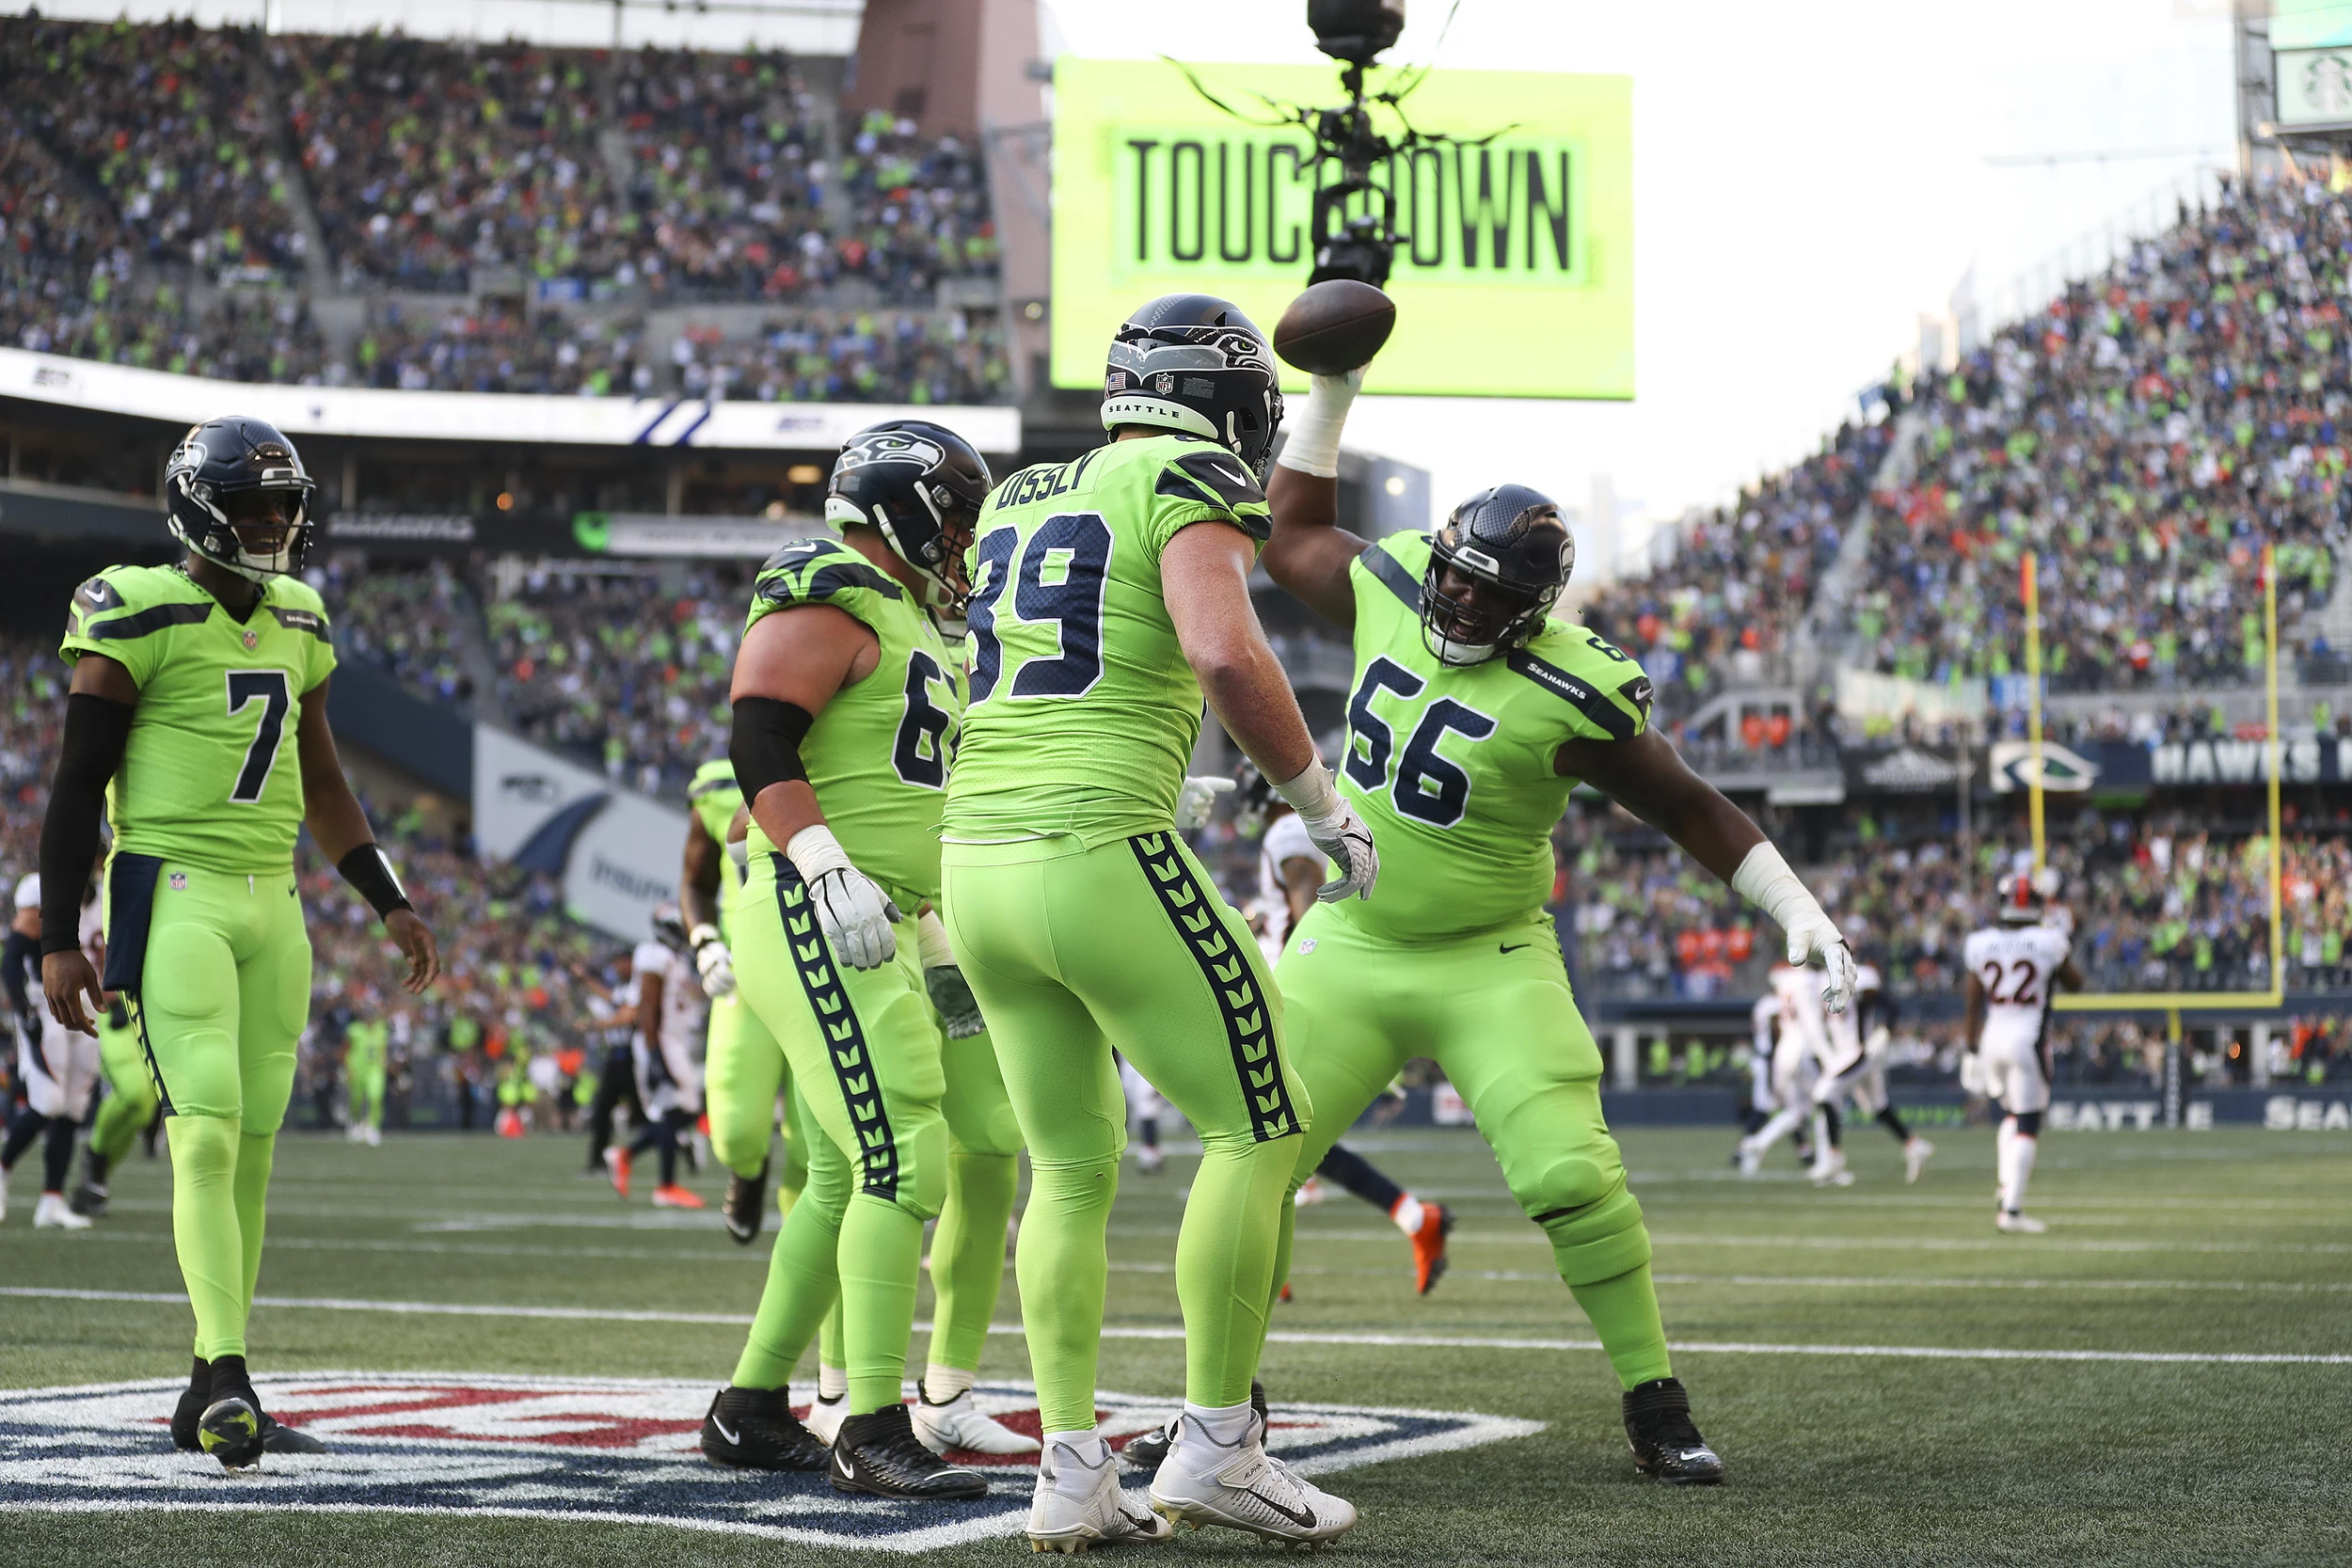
1334	327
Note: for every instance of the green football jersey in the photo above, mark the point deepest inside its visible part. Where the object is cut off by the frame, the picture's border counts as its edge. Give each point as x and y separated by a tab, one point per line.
1084	711
212	775
878	754
1451	766
714	796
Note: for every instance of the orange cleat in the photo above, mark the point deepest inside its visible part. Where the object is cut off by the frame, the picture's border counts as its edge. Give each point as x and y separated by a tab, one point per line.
676	1196
616	1161
1436	1224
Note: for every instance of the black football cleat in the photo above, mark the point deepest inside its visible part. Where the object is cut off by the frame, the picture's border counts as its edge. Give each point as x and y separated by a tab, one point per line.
1148	1452
276	1437
230	1427
755	1429
746	1206
1667	1445
879	1456
190	1410
88	1199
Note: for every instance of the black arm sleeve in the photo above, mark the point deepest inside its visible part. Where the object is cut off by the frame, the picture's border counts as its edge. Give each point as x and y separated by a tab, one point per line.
96	732
764	744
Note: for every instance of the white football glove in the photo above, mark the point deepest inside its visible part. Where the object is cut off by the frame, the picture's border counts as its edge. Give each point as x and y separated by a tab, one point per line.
951	995
852	911
1335	829
1818	939
1197	796
712	961
1764	880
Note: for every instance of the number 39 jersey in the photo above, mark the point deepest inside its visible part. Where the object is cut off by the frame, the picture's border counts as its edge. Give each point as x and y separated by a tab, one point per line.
878	754
212	774
1083	710
1451	766
2015	964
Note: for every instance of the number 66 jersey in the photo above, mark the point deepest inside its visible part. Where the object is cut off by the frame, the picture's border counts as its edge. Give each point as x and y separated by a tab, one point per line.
2017	966
210	775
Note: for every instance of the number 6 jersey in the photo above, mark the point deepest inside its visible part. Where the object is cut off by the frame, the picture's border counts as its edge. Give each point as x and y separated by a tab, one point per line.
1451	766
212	775
878	754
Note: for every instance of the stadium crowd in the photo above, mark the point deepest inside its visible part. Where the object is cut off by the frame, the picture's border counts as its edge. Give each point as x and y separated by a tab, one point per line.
851	357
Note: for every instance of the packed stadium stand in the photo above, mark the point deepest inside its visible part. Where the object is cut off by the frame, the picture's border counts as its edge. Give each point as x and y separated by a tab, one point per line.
389	212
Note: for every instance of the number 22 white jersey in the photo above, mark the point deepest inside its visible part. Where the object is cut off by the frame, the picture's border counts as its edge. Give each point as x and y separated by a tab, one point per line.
2017	966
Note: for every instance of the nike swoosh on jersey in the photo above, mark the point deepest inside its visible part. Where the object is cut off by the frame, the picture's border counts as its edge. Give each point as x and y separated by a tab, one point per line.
1303	1517
1515	946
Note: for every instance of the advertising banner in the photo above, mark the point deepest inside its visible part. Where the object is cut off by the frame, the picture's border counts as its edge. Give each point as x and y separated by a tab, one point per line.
1516	276
615	852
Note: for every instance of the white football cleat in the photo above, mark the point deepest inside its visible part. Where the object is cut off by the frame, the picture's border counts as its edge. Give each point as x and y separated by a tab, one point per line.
375	1139
1238	1486
1148	1159
4	1193
960	1424
1830	1170
1751	1159
1311	1191
1080	1505
2018	1223
1917	1152
53	1213
825	1416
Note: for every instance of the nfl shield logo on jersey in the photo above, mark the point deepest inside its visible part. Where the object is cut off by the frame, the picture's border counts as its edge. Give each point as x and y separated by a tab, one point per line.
252	639
594	1452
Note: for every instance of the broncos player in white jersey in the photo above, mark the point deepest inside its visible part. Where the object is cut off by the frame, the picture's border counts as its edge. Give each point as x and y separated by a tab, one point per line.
1854	1074
1798	1055
2015	968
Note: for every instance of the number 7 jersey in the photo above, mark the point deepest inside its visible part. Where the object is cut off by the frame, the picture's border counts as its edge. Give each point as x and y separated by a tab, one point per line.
1451	766
212	775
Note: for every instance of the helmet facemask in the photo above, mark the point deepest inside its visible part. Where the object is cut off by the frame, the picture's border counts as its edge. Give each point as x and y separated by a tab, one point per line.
258	529
1484	617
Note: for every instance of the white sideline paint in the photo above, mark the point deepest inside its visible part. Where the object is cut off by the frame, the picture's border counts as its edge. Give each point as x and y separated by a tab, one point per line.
1406	1342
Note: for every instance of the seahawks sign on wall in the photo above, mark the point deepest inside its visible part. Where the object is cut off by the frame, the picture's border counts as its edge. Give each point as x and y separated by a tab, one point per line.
1516	276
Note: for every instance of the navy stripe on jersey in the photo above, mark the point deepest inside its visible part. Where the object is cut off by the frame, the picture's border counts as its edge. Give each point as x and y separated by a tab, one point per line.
1216	477
830	579
302	620
1391	573
844	1034
1591	703
142	623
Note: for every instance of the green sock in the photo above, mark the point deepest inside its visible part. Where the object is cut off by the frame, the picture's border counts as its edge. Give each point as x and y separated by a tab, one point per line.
1624	1310
882	1253
968	1254
204	1230
802	1279
1224	1261
1063	1266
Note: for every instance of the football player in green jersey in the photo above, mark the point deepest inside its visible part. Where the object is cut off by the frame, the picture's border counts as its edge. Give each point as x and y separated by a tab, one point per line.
196	724
1476	711
744	1072
1110	595
846	699
367	1043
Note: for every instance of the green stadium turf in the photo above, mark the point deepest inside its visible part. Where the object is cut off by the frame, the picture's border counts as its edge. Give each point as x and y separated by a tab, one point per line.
2196	1247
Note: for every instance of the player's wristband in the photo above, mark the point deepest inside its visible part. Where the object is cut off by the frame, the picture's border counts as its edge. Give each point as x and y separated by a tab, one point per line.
1313	444
1312	794
814	851
1764	880
367	870
930	941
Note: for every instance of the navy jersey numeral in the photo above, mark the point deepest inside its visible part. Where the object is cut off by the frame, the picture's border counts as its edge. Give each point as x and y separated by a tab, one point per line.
920	752
1063	572
1427	787
270	688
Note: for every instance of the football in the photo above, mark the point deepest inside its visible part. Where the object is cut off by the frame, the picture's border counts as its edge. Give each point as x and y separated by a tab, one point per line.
1334	327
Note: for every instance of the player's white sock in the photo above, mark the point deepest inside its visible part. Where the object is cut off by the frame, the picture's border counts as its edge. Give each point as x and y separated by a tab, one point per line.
2022	1152
832	1381
2004	1161
1224	1424
942	1384
1407	1215
1090	1451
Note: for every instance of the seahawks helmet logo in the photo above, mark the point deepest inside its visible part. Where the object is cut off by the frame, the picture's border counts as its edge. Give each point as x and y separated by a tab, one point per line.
888	446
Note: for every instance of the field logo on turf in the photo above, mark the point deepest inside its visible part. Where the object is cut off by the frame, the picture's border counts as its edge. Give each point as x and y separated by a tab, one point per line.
582	1450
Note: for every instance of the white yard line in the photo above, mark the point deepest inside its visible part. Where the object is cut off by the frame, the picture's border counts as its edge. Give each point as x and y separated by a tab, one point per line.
1410	1342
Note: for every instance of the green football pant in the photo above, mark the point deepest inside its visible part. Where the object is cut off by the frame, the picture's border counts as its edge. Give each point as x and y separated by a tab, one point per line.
983	1172
864	1050
743	1075
363	1071
130	1093
1075	952
1494	1011
222	996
